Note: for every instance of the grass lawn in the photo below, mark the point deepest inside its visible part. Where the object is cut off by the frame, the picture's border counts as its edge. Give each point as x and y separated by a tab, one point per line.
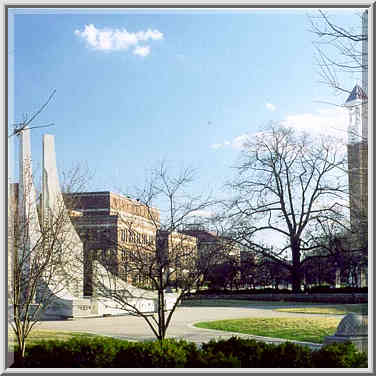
236	303
294	307
338	309
38	335
310	329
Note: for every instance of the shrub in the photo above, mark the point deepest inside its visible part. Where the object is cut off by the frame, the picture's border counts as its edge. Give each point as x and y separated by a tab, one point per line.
287	355
253	354
325	289
339	355
248	351
76	352
95	352
231	353
169	353
43	354
218	360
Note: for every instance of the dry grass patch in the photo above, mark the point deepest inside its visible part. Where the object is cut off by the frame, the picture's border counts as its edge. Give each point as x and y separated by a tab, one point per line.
40	335
239	303
338	309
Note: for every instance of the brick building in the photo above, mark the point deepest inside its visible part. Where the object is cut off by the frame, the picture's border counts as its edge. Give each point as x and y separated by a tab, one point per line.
210	242
117	230
181	251
213	249
109	224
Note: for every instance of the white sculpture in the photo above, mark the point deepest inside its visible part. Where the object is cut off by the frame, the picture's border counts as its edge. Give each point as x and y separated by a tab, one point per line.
27	202
53	206
64	278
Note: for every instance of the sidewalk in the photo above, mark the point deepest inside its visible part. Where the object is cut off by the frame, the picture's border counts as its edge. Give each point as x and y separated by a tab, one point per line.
181	326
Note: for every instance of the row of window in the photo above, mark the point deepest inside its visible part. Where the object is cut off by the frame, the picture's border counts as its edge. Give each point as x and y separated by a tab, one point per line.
131	236
93	235
137	209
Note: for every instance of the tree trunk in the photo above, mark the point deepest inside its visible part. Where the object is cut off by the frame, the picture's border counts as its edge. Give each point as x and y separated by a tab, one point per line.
296	269
296	282
161	315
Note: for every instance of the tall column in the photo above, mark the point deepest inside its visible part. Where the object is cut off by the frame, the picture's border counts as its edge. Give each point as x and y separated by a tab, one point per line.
71	247
365	52
358	162
28	234
338	278
27	202
358	172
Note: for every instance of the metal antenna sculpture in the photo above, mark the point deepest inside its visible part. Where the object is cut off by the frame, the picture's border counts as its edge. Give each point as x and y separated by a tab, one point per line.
19	127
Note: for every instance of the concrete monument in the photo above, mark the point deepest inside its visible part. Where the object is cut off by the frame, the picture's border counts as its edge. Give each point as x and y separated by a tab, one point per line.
353	328
65	284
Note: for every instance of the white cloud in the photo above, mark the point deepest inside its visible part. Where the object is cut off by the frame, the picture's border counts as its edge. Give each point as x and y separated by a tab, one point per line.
142	50
118	39
238	142
201	213
270	107
149	34
329	122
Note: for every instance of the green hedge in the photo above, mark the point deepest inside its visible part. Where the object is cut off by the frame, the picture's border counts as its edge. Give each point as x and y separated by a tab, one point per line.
321	289
235	352
253	354
339	290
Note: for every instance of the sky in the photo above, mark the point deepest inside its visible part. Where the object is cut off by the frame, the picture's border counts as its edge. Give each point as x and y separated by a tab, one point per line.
135	87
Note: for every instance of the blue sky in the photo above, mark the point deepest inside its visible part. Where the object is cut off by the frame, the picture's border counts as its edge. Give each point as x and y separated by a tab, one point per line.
137	87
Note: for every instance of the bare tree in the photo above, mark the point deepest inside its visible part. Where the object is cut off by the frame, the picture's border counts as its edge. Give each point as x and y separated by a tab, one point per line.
40	243
335	252
40	247
340	51
286	183
158	258
77	178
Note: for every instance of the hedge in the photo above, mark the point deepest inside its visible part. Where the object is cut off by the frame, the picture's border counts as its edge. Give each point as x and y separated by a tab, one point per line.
337	298
323	289
103	352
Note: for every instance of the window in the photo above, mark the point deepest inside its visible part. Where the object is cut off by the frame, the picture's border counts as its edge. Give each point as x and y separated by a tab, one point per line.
122	235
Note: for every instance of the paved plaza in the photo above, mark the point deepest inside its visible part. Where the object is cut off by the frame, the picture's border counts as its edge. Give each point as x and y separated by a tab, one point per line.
181	326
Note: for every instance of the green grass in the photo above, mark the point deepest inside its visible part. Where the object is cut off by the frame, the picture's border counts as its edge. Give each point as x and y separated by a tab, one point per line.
310	329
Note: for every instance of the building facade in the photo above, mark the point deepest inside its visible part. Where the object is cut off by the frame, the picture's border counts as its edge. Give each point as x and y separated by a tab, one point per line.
125	235
109	224
180	253
216	254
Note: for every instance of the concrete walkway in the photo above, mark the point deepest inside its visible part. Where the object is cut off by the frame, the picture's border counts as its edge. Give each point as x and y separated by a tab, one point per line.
181	326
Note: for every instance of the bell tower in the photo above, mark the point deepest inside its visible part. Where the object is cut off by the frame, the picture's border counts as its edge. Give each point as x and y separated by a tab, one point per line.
357	148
